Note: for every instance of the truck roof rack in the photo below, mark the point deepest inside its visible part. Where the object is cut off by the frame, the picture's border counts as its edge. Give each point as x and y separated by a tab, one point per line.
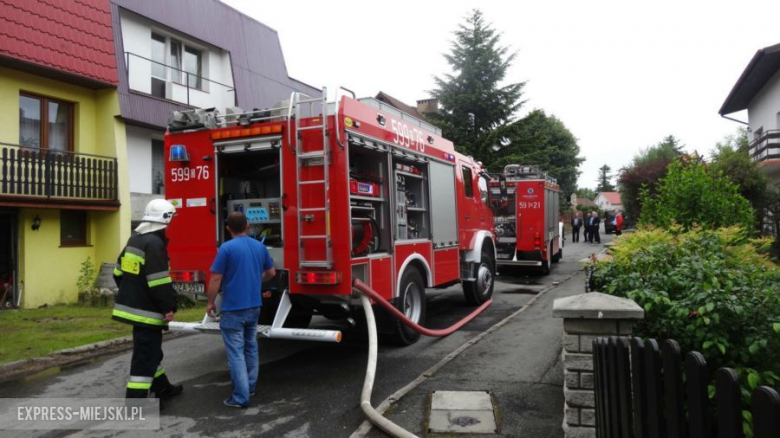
518	171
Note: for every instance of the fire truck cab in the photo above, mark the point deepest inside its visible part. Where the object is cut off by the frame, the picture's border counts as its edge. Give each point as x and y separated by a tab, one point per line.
526	219
352	189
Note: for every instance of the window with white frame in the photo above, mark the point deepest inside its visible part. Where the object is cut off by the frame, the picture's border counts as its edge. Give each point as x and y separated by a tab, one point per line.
176	61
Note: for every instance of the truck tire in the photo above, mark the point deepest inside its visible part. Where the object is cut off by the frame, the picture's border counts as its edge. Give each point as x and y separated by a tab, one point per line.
411	302
558	256
547	264
481	290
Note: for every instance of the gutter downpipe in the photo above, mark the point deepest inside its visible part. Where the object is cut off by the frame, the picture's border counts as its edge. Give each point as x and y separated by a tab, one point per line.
734	120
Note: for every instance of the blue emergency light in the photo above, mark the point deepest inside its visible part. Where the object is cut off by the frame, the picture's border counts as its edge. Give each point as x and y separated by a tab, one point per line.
178	153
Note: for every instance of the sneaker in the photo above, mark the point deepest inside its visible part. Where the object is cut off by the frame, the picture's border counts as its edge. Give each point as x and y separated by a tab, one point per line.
231	404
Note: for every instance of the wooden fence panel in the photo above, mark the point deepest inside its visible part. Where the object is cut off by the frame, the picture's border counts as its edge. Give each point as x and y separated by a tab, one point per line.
598	369
640	389
728	404
674	397
655	390
614	401
624	386
697	379
766	412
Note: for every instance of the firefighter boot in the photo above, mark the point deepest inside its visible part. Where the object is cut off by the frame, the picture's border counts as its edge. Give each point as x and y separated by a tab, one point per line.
163	388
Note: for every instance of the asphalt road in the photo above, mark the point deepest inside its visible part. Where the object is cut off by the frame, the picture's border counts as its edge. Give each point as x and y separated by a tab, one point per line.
305	389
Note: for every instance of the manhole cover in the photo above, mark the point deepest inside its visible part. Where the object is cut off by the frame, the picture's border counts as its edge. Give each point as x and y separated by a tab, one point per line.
464	421
468	412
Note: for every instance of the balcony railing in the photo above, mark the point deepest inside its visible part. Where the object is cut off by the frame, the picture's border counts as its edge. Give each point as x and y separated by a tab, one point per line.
48	176
766	147
193	84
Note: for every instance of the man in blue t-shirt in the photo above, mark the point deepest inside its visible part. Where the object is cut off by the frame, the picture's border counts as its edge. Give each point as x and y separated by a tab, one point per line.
241	265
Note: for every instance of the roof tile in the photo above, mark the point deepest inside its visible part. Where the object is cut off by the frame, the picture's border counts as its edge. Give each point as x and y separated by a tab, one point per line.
74	36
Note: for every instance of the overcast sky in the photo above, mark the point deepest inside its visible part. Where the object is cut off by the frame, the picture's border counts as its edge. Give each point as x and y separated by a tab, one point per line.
620	75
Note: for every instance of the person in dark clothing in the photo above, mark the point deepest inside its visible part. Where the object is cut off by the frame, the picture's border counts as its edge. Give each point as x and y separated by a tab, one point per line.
576	223
147	301
586	227
594	223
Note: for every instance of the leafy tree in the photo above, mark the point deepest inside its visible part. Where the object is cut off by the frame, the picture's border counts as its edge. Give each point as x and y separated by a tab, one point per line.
605	184
692	194
645	170
473	103
730	157
542	140
586	193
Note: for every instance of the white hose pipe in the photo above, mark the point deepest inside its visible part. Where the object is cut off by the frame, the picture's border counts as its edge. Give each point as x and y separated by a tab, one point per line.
368	385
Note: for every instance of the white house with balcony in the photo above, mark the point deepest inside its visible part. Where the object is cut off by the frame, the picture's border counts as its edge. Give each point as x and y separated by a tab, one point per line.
167	64
181	54
758	91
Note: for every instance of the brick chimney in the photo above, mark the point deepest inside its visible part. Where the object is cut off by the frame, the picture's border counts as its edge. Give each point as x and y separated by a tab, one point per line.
428	106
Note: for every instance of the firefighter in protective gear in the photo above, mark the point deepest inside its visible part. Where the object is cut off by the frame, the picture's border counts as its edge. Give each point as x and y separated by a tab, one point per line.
147	300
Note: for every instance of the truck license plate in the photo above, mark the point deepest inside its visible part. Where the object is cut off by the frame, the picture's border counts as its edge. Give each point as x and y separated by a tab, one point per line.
189	287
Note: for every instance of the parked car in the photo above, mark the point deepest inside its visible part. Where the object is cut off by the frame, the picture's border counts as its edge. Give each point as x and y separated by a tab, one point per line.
609	221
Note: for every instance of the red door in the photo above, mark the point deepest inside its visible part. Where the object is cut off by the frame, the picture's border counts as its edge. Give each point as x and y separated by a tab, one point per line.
468	195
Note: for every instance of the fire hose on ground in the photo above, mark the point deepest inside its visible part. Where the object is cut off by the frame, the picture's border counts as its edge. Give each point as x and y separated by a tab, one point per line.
368	385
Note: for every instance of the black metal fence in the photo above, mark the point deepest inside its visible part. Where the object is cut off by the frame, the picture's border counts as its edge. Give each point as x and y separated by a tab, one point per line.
57	175
645	391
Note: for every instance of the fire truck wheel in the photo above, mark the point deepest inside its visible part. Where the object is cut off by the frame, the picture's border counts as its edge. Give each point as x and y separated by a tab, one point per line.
479	291
411	303
547	264
558	256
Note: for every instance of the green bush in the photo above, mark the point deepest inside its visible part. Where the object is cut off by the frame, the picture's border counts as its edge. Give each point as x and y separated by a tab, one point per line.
714	291
691	194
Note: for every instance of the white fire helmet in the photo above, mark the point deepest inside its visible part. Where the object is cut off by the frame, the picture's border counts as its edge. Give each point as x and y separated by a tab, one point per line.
158	215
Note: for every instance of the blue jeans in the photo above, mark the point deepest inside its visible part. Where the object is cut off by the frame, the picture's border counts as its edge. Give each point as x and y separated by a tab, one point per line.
239	331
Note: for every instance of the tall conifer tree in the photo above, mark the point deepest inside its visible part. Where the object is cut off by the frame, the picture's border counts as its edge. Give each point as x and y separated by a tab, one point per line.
473	101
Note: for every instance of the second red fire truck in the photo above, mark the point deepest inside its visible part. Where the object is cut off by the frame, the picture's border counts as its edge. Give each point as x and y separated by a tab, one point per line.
337	191
527	226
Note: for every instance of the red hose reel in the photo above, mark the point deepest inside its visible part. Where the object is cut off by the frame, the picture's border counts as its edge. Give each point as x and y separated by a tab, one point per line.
365	236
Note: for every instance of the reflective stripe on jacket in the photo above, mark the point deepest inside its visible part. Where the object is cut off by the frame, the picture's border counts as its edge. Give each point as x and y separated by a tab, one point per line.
146	291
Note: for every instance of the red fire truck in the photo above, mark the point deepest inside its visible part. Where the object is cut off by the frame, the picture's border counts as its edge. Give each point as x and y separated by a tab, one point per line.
526	222
352	189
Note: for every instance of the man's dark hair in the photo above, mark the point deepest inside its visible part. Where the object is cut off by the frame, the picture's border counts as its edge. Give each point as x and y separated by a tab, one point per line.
236	221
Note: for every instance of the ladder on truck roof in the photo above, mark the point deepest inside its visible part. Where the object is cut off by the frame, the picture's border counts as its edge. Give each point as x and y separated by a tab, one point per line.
312	157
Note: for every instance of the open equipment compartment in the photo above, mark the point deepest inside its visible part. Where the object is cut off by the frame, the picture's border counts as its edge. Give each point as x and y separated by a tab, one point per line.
411	195
249	181
369	197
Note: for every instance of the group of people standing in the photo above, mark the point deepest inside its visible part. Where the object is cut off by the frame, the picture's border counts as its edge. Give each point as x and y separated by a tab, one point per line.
591	225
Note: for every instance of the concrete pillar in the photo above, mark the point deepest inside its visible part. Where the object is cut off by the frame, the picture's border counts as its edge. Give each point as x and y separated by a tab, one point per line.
586	317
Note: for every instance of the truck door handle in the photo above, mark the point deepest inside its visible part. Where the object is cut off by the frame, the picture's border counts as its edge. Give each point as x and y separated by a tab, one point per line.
468	217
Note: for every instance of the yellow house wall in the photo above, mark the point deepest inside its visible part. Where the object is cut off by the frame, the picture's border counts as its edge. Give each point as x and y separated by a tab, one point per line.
49	272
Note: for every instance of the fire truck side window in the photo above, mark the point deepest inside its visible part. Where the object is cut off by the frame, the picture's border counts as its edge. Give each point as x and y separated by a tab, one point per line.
468	182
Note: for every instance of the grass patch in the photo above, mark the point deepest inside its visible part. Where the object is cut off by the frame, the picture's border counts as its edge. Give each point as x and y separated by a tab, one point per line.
37	332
